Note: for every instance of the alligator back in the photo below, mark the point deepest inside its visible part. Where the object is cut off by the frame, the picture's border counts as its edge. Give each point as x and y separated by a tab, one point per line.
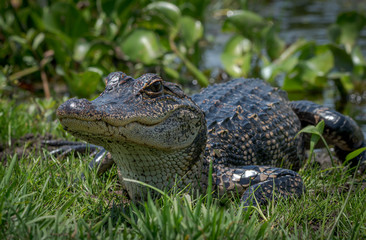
250	123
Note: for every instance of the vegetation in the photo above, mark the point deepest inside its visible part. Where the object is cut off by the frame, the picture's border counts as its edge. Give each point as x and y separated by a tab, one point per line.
39	198
303	64
78	43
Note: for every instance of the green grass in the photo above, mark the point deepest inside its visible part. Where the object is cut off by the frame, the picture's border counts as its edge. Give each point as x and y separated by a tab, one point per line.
39	199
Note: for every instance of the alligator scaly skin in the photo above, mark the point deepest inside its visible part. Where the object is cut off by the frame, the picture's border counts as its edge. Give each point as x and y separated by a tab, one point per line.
245	128
249	123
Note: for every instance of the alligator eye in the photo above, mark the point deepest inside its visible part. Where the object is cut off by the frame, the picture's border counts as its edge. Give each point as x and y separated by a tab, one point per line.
154	88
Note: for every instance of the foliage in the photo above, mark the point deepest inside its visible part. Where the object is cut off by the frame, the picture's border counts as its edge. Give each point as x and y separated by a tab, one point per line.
79	43
255	50
316	134
82	42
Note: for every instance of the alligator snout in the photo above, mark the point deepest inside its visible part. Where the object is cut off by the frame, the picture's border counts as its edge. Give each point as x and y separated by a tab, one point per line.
77	108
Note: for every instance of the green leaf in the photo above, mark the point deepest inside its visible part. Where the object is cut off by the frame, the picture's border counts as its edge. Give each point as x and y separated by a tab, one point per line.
236	57
342	60
274	44
314	139
111	7
312	71
30	34
191	30
99	53
322	63
9	171
310	129
320	127
23	72
2	83
172	73
247	23
80	50
286	61
316	134
38	40
271	71
100	224
64	19
346	80
142	46
355	153
359	71
296	79
294	48
357	56
334	32
349	25
83	84
62	52
68	203
18	39
164	13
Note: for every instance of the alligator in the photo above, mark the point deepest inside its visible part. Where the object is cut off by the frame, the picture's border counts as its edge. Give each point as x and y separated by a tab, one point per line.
243	130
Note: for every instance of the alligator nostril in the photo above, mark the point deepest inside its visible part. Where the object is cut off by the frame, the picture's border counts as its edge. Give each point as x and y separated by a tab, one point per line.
74	108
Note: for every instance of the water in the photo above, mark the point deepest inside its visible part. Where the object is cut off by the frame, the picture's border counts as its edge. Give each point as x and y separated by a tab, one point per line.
308	19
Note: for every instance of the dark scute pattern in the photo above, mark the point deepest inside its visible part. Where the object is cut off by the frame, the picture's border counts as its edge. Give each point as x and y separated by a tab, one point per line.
249	122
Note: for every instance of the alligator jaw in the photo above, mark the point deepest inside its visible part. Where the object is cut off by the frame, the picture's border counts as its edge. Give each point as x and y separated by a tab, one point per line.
166	134
84	110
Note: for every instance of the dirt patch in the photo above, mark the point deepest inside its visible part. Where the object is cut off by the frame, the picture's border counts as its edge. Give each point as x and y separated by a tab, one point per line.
25	145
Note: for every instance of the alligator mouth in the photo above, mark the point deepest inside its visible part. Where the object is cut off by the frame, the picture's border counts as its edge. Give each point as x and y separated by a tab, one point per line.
86	127
171	131
83	111
75	121
99	128
101	133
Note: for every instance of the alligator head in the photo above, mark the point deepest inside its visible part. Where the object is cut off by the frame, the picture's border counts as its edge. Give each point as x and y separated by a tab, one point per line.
155	133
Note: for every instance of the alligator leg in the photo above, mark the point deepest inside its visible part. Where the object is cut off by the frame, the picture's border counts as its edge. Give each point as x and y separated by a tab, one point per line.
66	147
258	184
340	130
102	159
